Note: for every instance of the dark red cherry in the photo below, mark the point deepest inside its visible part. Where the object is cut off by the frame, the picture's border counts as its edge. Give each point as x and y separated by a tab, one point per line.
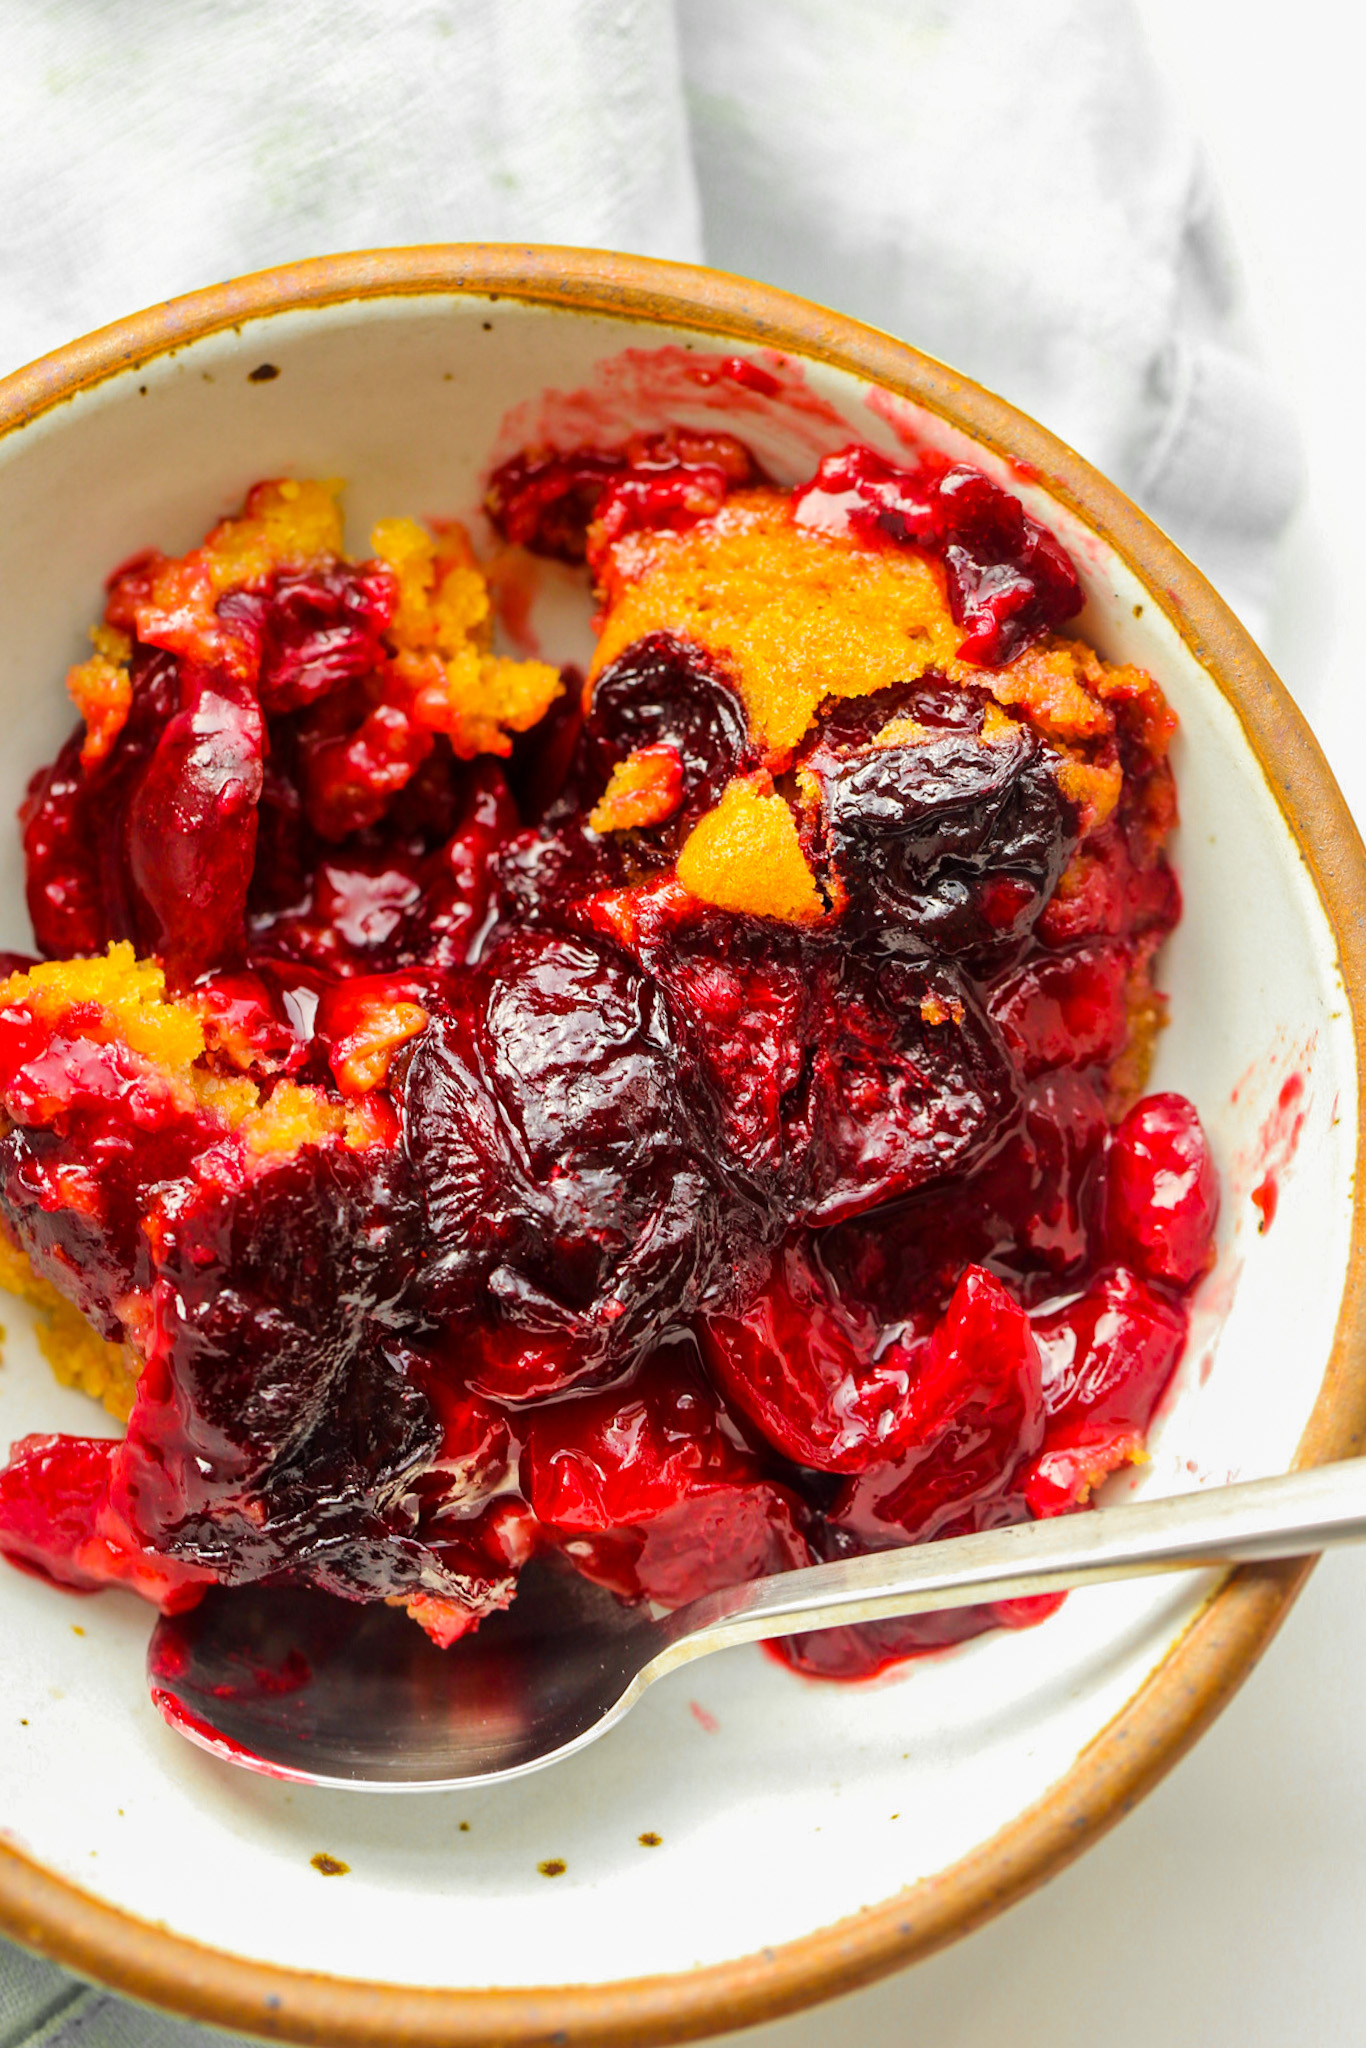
648	1493
1107	1359
817	1376
1009	581
565	1166
977	1417
1162	1192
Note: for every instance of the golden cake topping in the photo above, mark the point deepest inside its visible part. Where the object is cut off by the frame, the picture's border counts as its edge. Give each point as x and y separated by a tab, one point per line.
102	691
290	523
78	1355
126	1000
442	635
644	789
746	856
797	616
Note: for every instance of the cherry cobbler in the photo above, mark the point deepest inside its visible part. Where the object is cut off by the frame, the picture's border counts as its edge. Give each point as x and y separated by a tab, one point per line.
684	1121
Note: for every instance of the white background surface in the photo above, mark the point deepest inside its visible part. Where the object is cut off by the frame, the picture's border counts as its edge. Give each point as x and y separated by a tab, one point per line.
1229	1911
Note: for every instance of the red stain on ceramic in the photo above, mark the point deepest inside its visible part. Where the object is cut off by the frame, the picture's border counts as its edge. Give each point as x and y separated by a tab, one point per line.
906	421
1211	1308
918	432
643	387
1256	1172
514	578
188	1723
742	370
1254	1074
1277	1143
706	1721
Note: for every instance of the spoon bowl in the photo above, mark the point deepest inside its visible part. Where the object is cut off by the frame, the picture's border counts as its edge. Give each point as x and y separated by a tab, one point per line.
300	1685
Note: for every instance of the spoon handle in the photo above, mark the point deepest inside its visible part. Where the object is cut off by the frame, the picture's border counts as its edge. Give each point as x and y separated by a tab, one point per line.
1292	1515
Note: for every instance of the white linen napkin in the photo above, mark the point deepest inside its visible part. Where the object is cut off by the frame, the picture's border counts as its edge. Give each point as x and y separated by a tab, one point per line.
1010	188
1005	186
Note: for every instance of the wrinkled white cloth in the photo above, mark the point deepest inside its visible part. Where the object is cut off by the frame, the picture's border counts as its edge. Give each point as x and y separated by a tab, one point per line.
1006	186
1010	188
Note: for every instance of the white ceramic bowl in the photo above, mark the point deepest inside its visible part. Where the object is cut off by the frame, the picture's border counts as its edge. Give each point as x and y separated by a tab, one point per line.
812	1835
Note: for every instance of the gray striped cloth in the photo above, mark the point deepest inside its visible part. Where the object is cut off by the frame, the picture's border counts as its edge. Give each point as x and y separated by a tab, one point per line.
41	2007
1007	186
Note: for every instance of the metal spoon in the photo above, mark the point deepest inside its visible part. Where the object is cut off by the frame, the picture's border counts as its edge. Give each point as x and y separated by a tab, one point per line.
303	1686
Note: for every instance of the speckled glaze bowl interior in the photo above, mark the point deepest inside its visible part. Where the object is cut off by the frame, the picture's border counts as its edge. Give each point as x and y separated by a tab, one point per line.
810	1836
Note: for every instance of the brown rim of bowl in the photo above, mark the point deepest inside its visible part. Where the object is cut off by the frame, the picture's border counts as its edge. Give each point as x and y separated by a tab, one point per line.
1203	1669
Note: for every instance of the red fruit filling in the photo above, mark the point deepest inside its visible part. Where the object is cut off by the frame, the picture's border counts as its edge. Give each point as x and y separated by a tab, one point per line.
686	1121
1008	580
